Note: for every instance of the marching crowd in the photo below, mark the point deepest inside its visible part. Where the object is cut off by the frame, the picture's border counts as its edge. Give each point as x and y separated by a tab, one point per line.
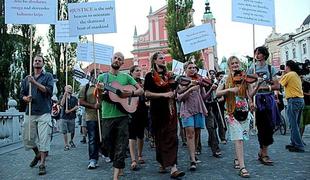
120	106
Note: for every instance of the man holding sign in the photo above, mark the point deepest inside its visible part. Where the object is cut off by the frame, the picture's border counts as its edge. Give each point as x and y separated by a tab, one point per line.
40	119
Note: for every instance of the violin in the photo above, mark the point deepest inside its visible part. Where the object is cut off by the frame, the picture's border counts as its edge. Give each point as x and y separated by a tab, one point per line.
185	81
241	77
192	81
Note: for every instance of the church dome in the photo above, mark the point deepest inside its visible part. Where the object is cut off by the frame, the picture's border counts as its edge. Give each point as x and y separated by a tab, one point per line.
307	20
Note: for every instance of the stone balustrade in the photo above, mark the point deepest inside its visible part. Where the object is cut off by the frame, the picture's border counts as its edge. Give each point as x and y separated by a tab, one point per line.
11	125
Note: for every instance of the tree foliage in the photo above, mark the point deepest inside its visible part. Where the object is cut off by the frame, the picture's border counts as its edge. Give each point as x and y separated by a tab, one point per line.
178	18
14	57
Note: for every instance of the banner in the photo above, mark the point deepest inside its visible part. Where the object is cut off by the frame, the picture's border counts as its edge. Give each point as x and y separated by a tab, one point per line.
92	18
62	33
260	12
30	11
103	53
197	38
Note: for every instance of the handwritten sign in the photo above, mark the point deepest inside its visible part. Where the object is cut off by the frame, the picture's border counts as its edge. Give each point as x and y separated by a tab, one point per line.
260	12
197	38
92	18
30	12
62	33
177	67
103	53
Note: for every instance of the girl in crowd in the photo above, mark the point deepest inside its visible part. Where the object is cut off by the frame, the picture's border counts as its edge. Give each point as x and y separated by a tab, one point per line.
160	91
137	123
236	99
193	110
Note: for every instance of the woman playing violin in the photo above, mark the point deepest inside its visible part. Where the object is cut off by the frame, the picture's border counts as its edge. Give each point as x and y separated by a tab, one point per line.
163	114
236	98
192	111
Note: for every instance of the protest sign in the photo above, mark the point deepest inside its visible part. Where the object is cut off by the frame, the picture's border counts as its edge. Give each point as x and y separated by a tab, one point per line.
92	18
30	12
197	38
260	12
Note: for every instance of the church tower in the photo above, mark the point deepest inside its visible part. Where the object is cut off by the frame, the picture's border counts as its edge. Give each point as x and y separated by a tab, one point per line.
210	54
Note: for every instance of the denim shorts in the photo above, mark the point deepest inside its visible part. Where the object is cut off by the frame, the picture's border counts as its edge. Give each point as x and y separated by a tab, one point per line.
196	121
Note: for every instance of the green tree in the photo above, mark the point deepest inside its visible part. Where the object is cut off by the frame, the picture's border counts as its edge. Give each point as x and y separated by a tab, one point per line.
14	57
54	60
177	19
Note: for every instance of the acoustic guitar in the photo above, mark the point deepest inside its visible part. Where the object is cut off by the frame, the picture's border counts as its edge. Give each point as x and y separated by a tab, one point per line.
114	90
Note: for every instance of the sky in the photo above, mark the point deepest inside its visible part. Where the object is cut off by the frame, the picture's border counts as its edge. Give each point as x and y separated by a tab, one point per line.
233	38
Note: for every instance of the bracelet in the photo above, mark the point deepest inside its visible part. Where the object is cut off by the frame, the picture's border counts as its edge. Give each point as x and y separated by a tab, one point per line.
269	87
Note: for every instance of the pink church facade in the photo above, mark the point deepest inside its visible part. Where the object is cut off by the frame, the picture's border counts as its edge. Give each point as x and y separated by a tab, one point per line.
155	39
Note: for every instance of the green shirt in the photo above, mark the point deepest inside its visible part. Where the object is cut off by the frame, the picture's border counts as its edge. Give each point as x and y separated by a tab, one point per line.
111	110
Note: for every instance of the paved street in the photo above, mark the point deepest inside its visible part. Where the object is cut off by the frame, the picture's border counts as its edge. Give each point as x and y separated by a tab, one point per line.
73	164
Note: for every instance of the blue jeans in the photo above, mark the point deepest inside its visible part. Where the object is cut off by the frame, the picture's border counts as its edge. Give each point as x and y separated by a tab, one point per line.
293	112
93	140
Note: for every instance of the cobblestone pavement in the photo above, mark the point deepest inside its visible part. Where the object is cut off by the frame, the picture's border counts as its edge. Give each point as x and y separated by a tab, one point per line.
72	164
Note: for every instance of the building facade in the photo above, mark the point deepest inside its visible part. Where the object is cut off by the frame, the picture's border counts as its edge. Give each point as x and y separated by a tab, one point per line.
271	43
155	39
297	46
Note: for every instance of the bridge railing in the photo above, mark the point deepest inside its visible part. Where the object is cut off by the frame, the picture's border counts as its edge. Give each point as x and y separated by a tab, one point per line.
11	122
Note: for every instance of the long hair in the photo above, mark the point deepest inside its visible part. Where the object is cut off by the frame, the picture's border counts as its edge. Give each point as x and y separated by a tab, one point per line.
153	58
231	97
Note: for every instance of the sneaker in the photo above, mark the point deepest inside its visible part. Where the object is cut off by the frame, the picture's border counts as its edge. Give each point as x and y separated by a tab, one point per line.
72	144
193	166
106	158
42	170
197	160
35	161
83	141
91	165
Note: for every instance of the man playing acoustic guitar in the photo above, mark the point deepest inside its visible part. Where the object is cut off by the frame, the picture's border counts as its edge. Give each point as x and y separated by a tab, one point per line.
114	115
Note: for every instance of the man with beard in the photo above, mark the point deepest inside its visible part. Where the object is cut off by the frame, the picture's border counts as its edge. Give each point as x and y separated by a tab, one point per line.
40	119
115	120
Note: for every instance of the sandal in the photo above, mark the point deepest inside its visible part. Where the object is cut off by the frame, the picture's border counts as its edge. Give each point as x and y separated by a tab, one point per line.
140	160
162	170
265	160
236	164
176	174
244	173
134	165
66	148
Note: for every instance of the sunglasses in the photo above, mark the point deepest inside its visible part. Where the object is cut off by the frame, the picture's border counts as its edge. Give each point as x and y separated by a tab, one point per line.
118	58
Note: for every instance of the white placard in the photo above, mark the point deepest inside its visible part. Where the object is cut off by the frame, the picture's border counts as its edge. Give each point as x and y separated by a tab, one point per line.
177	67
92	18
30	11
62	33
260	12
203	72
103	53
197	38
